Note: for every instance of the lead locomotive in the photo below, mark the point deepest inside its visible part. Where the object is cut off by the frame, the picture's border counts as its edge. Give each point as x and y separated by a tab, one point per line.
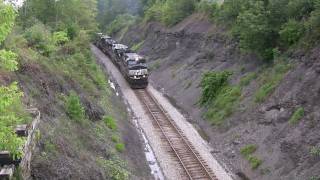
132	66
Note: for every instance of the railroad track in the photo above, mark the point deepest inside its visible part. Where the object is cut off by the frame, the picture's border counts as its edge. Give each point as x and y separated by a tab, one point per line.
193	165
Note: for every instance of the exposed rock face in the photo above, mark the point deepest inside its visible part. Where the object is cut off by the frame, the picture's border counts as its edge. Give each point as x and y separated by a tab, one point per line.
180	55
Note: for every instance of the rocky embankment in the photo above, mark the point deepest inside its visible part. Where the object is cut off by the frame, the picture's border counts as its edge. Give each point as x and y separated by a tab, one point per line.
181	54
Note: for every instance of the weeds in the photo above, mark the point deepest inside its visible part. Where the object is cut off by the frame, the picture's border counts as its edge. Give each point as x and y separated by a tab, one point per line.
297	115
110	122
74	108
247	152
270	79
120	147
248	149
245	81
315	151
114	168
138	46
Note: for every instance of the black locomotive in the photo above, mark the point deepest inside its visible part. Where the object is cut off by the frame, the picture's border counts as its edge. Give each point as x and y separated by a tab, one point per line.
132	66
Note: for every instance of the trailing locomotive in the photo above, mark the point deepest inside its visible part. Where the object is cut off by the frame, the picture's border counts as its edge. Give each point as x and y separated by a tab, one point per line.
132	66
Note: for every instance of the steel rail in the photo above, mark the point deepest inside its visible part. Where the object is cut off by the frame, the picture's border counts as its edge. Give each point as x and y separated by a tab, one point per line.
179	133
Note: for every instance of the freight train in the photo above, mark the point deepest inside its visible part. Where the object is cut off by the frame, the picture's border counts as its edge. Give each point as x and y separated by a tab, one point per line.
132	66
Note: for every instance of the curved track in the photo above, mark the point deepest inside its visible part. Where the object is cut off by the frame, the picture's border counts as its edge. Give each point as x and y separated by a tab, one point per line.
193	165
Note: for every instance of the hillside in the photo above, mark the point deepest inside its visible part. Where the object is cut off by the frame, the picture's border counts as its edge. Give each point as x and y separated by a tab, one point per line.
251	118
84	130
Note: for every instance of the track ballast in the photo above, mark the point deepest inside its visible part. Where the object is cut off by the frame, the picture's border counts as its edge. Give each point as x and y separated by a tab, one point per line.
193	165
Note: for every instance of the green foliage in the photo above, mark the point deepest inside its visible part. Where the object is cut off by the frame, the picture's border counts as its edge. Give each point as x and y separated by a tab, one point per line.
110	122
207	6
297	115
120	147
245	81
138	46
224	104
170	12
247	152
10	142
211	84
255	162
60	37
8	60
248	149
270	79
120	23
291	32
74	108
115	138
39	37
115	168
315	151
7	17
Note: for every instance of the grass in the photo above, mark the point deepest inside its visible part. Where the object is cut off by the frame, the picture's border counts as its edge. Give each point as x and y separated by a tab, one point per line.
254	162
297	116
110	122
223	105
120	147
138	46
115	168
247	152
155	65
248	149
315	151
245	81
115	138
270	79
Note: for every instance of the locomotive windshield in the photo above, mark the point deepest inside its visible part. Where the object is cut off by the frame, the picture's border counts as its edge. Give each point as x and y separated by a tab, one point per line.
131	62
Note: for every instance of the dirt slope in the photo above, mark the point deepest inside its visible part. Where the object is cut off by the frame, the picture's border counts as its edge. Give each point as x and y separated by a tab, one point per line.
67	149
179	55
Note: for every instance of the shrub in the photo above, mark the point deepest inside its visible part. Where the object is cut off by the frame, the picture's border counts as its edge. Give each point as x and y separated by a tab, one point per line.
248	149
110	122
291	32
315	151
224	104
74	108
247	152
297	115
254	162
211	84
60	37
247	79
115	168
138	46
115	138
39	37
176	10
120	23
120	147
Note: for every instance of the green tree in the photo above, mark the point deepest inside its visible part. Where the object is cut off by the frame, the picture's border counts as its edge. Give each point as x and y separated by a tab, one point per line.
9	95
74	107
291	32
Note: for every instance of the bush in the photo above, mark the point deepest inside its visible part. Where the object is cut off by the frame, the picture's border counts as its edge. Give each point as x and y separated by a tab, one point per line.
297	115
254	162
60	37
291	32
114	168
40	38
170	12
247	79
247	152
211	84
206	6
74	108
248	149
120	147
110	122
120	23
224	104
